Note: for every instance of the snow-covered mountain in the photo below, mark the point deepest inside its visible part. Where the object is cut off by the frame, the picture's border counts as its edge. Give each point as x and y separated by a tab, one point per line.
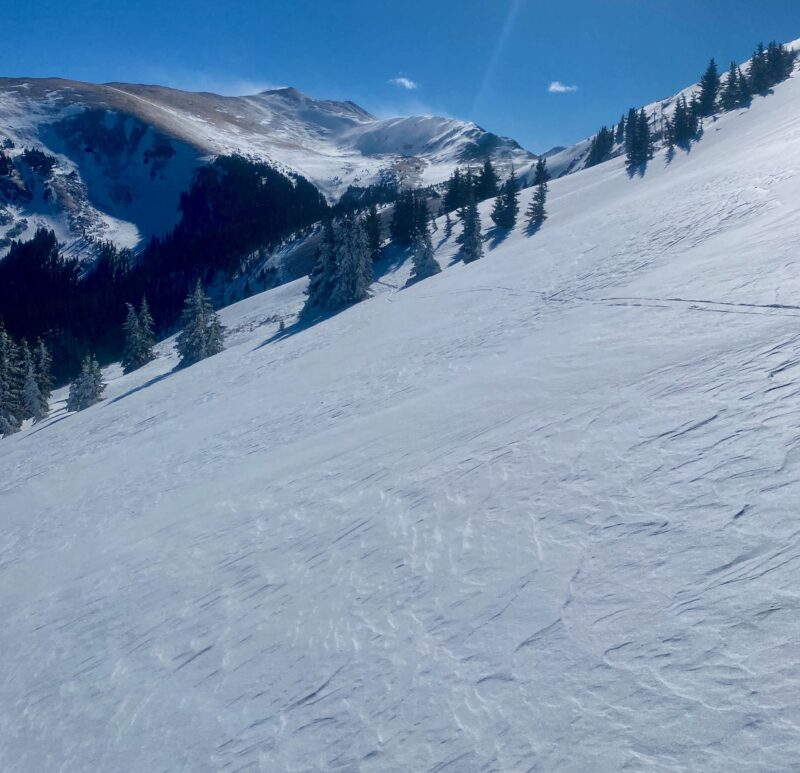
536	513
125	152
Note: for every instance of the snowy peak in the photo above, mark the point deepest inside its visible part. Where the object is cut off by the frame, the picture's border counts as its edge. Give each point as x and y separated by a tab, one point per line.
123	152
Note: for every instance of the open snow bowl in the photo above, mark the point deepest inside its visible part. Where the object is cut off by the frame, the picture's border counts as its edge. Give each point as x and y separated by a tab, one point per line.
538	512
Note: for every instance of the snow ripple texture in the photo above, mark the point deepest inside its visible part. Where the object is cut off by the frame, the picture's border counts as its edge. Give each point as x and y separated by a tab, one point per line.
538	513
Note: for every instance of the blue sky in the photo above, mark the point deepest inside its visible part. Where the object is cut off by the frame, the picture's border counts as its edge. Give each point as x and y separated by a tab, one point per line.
491	61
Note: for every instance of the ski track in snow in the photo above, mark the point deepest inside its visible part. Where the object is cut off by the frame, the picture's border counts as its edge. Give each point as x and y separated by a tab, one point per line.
535	514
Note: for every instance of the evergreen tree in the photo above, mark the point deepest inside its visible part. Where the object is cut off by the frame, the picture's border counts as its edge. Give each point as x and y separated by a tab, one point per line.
410	215
537	213
321	279
133	341
638	143
486	184
709	89
601	147
43	367
147	331
683	126
354	271
745	93
540	172
88	387
620	135
424	264
10	397
758	74
460	187
470	238
730	94
506	205
373	231
202	334
34	406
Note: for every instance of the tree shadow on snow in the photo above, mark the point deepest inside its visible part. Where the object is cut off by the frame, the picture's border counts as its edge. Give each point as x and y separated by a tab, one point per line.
496	236
146	384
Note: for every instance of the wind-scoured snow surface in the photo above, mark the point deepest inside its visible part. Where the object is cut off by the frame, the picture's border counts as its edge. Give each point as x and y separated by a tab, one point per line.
538	513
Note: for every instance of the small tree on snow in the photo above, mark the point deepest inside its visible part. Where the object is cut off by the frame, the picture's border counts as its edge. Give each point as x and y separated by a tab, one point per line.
133	341
424	263
323	275
147	332
43	367
88	387
354	269
34	406
537	213
506	205
202	334
470	238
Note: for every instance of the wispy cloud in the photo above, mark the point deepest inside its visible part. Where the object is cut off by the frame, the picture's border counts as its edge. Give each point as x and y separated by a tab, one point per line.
403	83
557	87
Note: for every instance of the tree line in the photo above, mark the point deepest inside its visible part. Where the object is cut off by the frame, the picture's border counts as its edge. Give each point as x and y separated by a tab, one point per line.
637	133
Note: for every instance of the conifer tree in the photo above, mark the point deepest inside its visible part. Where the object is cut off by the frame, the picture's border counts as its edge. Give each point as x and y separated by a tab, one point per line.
202	334
540	172
470	238
354	270
730	93
34	406
373	231
506	205
147	331
321	279
758	74
486	186
10	396
620	135
133	341
537	213
43	368
709	89
601	147
88	387
424	264
459	189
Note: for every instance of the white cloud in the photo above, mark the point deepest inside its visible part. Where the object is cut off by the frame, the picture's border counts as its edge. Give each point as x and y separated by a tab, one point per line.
403	83
557	87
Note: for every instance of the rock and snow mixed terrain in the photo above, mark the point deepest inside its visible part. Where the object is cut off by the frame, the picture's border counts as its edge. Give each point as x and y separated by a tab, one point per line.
125	152
537	513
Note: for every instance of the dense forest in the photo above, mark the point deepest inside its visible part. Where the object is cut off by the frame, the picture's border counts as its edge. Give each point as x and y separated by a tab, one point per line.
233	207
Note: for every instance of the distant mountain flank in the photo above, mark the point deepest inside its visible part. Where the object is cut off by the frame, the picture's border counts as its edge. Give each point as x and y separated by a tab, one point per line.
123	153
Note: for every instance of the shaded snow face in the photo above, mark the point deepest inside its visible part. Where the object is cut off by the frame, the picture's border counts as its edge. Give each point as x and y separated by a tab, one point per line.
534	513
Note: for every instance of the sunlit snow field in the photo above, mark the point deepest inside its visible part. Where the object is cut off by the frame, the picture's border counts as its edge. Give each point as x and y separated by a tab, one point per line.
535	513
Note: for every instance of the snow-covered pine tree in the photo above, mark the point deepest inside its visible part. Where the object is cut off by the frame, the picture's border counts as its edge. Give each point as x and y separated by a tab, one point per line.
43	368
729	92
34	406
354	270
537	213
373	231
424	264
10	397
202	334
470	238
540	172
323	275
88	387
506	206
131	354
147	331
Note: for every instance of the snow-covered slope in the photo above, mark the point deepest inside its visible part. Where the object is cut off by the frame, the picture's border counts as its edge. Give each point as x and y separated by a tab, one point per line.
535	513
126	151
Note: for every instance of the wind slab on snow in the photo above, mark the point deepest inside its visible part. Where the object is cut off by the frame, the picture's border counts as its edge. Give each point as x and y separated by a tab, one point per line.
535	513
